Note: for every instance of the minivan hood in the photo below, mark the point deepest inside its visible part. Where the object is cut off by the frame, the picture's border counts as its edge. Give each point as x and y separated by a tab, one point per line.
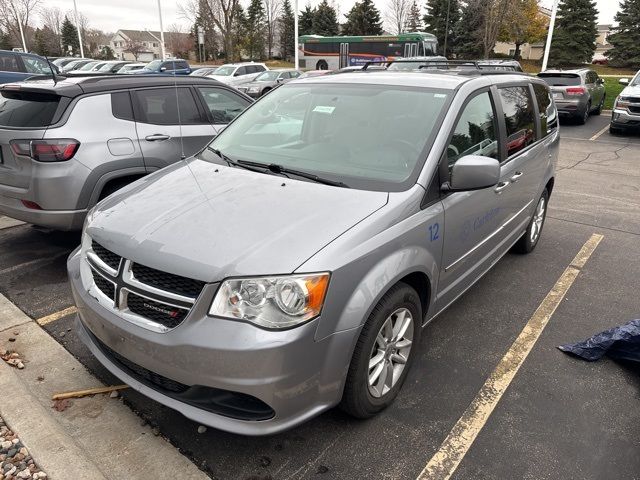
209	222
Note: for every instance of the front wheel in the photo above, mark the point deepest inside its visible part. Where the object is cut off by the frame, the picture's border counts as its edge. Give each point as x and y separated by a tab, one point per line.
384	353
529	240
598	110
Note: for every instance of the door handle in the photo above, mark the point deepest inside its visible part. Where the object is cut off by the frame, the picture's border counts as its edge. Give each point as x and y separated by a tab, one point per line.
157	137
516	177
500	187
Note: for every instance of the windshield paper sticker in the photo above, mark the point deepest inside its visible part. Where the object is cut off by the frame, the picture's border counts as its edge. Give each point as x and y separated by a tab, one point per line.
324	109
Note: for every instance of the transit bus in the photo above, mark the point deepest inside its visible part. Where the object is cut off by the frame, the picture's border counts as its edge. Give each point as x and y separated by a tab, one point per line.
331	53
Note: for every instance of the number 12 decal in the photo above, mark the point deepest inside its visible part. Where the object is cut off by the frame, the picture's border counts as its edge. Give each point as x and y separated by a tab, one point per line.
433	232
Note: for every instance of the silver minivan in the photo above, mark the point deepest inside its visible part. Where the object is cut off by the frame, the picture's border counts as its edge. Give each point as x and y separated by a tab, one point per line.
291	265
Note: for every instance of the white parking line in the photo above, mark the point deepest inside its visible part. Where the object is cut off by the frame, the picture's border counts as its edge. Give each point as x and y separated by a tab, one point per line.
6	222
595	137
454	448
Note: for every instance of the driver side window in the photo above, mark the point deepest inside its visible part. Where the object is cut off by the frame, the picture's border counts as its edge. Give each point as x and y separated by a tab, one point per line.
476	132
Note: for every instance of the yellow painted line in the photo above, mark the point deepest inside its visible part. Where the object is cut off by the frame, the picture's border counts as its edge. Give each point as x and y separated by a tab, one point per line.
56	316
595	137
446	460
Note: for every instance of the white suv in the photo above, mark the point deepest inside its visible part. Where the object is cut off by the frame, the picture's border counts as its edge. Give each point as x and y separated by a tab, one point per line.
238	73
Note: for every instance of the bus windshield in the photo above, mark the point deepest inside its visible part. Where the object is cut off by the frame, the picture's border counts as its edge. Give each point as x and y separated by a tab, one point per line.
368	136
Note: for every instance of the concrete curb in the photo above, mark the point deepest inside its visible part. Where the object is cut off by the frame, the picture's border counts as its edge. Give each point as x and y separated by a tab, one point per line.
95	438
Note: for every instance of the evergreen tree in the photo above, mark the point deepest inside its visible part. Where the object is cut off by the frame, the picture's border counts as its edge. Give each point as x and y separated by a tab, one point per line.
435	21
305	23
414	22
40	43
287	26
468	31
626	40
256	30
325	20
69	36
5	41
204	20
574	38
363	19
238	34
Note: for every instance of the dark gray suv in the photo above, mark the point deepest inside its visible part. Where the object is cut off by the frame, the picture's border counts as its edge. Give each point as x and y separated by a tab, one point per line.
577	93
291	265
66	144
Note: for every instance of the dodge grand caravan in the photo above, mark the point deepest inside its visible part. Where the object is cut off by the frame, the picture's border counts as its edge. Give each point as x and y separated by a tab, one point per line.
291	265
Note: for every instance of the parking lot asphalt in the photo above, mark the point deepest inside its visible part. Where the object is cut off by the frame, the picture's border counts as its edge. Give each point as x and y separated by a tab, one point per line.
559	418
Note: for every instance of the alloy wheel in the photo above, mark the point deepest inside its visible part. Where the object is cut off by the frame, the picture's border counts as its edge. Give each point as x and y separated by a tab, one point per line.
390	352
538	220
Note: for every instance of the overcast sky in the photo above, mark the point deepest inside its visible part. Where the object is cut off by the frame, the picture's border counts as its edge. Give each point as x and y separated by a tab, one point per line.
111	15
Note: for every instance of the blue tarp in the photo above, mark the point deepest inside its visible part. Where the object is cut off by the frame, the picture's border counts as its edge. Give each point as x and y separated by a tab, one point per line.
620	343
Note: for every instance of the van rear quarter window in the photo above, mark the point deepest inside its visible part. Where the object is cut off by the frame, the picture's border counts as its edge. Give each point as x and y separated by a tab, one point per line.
27	109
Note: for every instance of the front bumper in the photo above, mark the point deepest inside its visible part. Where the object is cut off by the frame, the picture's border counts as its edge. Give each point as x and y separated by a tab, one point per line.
288	371
56	219
624	119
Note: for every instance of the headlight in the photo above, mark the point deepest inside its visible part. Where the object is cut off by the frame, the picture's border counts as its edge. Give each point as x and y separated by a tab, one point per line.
622	102
272	302
253	89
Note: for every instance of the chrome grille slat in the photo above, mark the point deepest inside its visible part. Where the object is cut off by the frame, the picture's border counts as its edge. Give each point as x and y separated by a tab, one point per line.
141	302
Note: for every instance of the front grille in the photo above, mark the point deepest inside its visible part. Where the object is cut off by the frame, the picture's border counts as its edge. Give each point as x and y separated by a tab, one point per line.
107	256
634	109
167	281
104	285
222	402
634	99
166	315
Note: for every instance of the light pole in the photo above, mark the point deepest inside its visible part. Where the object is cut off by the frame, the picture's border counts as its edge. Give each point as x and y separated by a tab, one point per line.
295	34
75	8
161	31
446	30
24	43
552	23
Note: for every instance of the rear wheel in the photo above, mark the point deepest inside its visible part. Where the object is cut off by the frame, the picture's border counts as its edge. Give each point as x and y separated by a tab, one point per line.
384	353
598	110
322	65
584	116
529	240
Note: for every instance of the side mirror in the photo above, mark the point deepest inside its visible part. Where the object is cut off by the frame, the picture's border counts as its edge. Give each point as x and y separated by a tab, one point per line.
600	81
279	80
237	74
163	69
473	172
623	81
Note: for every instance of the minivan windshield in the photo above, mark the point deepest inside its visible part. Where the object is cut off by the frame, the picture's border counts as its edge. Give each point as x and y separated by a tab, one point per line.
372	137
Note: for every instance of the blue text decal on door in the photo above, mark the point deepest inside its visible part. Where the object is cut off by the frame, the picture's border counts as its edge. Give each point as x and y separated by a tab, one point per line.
433	232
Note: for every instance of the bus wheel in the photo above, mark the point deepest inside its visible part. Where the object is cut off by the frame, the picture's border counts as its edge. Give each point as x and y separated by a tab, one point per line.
322	65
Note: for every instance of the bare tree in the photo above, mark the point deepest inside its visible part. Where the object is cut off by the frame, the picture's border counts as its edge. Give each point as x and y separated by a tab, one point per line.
272	10
396	14
52	18
188	11
11	10
495	14
135	48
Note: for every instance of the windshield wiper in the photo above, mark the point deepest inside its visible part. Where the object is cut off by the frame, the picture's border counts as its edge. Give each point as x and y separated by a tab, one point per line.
233	163
275	168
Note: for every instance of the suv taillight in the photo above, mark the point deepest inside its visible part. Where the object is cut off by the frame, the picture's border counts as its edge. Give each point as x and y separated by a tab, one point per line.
576	91
51	150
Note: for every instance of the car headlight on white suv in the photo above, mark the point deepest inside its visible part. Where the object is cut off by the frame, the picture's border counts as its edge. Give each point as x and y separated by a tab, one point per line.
272	302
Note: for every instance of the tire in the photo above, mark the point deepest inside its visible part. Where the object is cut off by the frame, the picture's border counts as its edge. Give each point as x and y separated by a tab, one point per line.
265	91
322	65
361	399
598	110
615	130
527	243
584	116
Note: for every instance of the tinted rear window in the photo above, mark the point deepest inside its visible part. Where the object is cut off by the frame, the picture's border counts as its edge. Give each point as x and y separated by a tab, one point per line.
22	109
561	79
